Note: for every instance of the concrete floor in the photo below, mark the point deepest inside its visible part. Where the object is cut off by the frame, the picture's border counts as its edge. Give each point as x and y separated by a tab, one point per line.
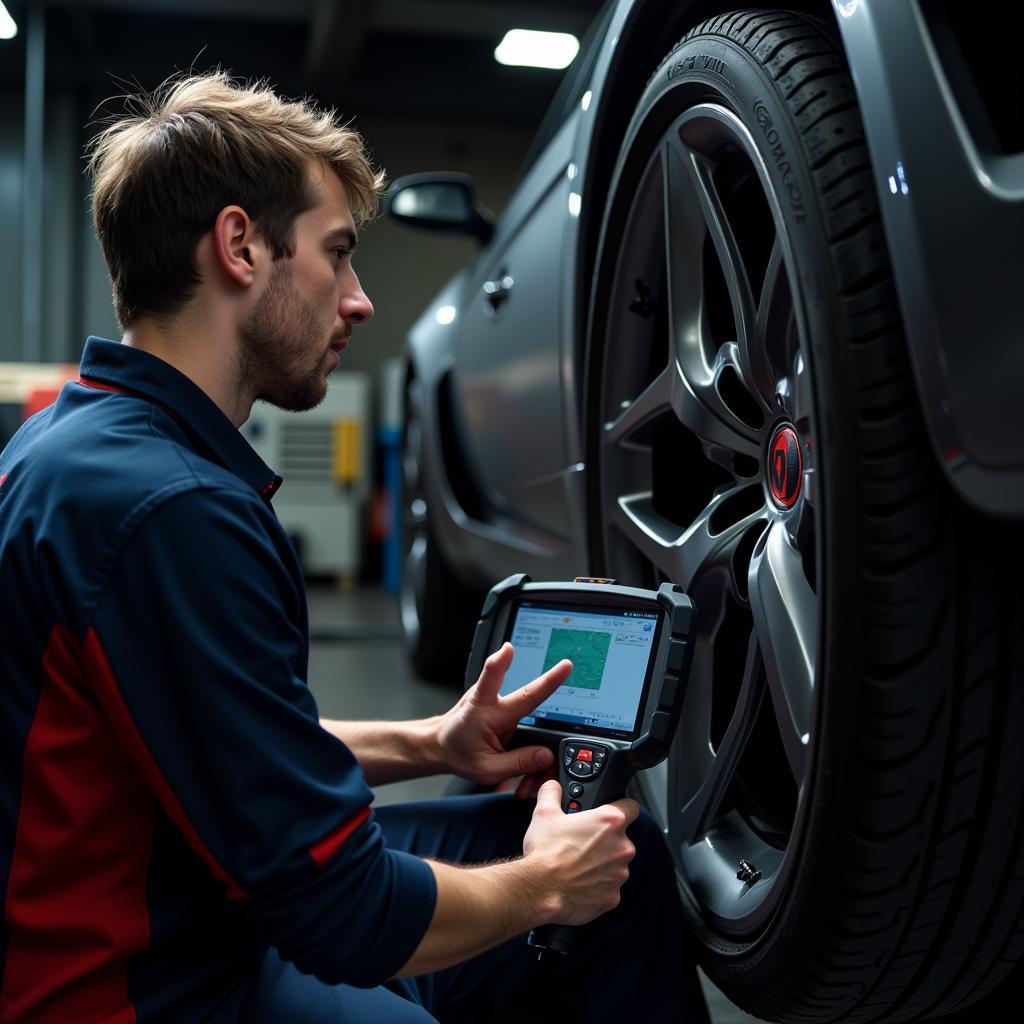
358	670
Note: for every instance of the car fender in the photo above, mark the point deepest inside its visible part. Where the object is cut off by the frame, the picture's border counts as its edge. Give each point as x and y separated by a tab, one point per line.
953	217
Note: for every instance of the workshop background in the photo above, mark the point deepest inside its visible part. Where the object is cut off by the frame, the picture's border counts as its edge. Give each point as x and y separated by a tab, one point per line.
419	79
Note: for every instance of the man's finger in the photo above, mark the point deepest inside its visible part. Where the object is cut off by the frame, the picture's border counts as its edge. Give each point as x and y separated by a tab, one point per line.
522	701
493	674
630	808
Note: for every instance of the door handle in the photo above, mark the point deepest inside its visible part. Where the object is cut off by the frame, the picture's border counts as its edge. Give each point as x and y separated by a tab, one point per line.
496	293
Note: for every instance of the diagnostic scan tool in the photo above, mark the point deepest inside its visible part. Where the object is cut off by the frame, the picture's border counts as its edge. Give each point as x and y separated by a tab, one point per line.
617	713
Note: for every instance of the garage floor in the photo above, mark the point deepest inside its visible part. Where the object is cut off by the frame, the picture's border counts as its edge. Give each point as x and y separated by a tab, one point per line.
358	670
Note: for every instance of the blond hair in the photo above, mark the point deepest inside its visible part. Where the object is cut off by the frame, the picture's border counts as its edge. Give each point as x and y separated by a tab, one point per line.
196	144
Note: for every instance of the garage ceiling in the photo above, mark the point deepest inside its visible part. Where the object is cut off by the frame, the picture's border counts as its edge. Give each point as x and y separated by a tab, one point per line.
419	57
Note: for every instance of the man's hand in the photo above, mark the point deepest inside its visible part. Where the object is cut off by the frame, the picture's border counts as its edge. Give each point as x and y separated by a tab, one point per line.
583	856
571	871
472	735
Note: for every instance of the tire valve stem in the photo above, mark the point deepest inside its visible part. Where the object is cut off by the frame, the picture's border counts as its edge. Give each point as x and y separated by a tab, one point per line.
643	301
748	873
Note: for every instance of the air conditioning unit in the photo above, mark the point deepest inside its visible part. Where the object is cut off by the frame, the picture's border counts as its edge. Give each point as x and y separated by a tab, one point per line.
325	457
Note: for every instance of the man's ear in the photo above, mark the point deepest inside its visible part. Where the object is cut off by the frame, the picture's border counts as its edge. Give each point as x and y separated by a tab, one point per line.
237	246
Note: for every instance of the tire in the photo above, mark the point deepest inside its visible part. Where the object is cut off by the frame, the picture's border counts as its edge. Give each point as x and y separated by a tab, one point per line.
852	731
438	612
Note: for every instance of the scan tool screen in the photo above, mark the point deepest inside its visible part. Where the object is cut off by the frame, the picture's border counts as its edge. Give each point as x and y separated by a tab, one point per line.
611	651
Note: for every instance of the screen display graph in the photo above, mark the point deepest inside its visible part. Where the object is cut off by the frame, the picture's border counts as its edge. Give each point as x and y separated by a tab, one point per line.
610	649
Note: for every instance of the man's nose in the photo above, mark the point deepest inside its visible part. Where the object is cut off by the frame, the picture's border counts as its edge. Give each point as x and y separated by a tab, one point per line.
355	306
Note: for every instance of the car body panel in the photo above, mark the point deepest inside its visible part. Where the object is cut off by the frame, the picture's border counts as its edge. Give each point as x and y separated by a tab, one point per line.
958	274
508	379
488	546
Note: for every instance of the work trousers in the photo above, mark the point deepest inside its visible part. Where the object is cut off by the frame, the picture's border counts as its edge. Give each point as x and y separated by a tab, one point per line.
632	963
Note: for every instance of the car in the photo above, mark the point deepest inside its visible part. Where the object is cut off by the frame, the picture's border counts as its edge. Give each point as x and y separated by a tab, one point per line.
751	323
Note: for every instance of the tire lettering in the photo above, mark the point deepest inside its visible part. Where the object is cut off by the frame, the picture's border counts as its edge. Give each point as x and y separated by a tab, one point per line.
782	164
698	62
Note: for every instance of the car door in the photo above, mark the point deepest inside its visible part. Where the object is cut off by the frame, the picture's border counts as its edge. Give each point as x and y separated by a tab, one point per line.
510	356
508	365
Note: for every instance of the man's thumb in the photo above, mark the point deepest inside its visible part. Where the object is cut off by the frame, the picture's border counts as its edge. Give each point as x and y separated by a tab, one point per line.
549	796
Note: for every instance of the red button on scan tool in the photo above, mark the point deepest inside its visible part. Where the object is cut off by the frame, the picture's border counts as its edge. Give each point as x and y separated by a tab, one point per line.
585	755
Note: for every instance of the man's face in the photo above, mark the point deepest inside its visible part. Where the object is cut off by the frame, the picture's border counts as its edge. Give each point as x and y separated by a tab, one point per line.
291	340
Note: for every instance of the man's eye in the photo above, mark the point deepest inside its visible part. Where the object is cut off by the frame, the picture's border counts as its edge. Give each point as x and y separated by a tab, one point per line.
341	254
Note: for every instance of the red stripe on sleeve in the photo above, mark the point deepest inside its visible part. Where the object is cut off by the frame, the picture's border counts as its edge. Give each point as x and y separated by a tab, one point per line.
108	692
331	843
76	895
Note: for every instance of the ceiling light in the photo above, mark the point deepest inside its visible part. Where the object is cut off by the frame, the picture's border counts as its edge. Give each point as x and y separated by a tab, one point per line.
528	49
8	26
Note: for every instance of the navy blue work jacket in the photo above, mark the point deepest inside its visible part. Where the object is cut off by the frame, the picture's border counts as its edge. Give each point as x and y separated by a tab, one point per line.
170	808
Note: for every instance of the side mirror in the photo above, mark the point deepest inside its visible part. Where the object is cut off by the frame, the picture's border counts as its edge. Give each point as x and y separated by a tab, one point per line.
444	202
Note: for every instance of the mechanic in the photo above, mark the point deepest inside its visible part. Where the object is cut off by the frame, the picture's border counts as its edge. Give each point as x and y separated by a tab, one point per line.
182	839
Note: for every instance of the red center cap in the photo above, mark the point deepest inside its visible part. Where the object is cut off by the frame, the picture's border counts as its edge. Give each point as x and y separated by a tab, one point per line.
785	466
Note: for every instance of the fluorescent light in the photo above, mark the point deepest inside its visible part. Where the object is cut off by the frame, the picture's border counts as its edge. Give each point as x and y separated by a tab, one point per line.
8	26
528	49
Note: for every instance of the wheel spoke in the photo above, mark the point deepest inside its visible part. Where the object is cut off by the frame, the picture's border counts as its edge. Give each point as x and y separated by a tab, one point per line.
652	534
700	408
801	394
772	306
706	545
785	611
717	226
699	812
682	555
698	403
656	398
684	242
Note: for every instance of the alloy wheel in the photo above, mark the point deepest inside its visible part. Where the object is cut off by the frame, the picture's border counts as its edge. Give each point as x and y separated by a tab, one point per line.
707	479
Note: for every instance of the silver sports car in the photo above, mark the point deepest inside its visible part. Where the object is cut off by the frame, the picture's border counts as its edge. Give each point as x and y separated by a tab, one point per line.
752	323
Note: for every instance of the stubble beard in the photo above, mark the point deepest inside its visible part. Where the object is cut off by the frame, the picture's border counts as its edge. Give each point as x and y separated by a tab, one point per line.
276	339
